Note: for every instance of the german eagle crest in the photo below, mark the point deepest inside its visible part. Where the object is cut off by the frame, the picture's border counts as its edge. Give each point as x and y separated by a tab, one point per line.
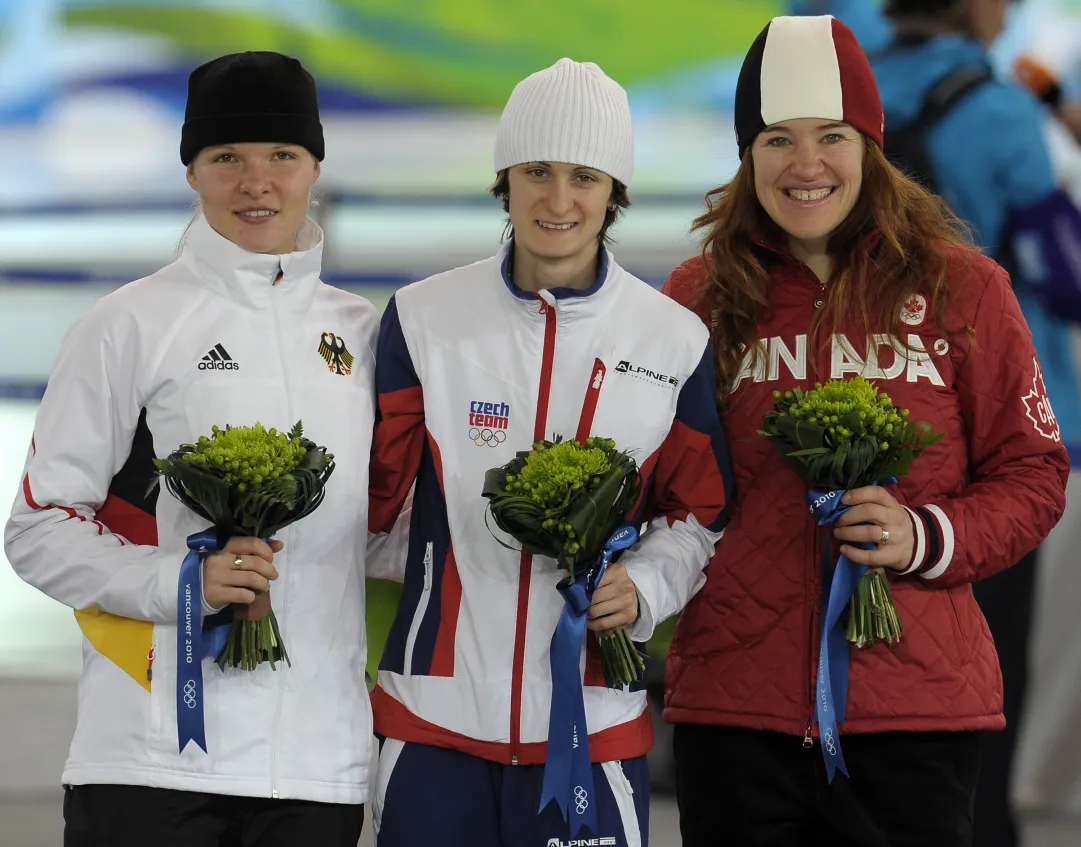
339	360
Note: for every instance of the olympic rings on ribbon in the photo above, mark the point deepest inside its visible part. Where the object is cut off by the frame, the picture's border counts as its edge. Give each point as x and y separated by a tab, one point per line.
189	694
491	437
581	799
829	743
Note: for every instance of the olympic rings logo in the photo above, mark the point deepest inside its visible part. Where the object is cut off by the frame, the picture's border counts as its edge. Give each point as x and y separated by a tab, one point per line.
829	743
491	437
189	694
581	799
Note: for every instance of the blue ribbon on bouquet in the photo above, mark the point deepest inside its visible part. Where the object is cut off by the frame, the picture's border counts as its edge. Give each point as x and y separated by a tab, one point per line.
568	771
195	638
833	651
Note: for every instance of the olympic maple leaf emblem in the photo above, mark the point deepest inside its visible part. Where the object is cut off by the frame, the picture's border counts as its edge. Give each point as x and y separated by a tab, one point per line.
912	310
1038	407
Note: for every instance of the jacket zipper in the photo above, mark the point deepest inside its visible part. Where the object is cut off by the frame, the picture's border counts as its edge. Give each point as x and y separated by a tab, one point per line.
808	738
418	615
816	576
284	593
526	567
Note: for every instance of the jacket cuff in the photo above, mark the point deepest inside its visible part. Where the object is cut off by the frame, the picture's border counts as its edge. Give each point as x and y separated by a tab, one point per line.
934	542
919	546
208	610
169	588
642	628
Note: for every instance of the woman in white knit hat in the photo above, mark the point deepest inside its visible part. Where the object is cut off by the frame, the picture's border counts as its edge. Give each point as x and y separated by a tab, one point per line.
548	337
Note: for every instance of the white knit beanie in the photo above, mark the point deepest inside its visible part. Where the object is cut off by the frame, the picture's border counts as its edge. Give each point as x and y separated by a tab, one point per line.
572	113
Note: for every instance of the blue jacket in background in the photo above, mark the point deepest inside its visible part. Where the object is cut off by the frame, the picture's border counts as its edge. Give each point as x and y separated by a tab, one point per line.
989	157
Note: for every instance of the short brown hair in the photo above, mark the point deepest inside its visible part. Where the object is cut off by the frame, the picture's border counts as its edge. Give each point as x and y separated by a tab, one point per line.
620	198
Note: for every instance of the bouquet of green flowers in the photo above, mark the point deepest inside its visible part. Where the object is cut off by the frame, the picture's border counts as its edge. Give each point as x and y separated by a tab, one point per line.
843	435
249	481
564	499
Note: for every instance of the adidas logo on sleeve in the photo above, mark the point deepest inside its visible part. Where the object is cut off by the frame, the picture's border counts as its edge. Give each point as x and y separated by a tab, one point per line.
218	360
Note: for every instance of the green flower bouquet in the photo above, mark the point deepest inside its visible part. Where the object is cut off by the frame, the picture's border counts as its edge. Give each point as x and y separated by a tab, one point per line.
844	435
563	499
249	481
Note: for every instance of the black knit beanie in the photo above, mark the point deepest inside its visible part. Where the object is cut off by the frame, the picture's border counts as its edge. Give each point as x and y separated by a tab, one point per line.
254	96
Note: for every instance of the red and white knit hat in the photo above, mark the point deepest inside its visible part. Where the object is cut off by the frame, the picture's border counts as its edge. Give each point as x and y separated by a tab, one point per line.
570	112
806	67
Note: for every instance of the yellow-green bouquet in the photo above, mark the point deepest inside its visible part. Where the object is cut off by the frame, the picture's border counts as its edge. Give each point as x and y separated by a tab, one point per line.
564	499
844	435
249	481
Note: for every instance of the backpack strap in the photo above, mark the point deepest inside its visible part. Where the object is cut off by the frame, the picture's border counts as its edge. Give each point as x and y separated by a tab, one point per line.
906	143
949	91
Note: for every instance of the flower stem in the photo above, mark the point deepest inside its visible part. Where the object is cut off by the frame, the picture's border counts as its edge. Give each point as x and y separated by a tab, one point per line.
872	616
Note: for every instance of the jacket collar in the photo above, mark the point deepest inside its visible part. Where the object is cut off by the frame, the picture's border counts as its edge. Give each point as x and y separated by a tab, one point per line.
249	278
568	302
772	239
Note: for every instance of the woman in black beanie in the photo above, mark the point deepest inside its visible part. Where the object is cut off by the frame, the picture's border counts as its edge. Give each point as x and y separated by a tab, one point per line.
238	330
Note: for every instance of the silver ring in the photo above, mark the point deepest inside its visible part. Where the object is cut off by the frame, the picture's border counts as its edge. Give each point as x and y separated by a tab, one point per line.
238	563
885	536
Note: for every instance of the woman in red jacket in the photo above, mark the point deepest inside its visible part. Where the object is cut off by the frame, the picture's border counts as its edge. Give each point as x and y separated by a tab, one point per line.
821	261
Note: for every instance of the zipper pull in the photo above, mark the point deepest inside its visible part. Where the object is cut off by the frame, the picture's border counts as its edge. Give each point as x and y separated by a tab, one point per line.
428	565
808	742
150	665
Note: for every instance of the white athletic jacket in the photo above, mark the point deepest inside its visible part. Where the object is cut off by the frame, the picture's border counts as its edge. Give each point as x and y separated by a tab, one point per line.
211	339
471	370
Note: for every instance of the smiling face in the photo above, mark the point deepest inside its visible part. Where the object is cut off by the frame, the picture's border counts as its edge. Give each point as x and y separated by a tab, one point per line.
255	194
557	210
807	175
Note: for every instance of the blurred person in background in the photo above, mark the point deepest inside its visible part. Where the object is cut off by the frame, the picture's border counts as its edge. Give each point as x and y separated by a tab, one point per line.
817	254
230	333
978	141
548	337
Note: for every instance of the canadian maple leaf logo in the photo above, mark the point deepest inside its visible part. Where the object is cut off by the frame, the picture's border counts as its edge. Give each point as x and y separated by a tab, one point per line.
912	310
1038	407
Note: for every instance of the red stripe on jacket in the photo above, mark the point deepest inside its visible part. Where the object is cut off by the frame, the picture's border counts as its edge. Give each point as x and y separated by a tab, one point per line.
393	720
67	510
686	472
397	447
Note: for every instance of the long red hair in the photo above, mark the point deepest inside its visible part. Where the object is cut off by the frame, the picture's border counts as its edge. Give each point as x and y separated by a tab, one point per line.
888	248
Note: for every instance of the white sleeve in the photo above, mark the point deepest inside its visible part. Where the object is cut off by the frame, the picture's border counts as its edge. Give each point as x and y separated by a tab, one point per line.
82	437
689	496
667	567
386	554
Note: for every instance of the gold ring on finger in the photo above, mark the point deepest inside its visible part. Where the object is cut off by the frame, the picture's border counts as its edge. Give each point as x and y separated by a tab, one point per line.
238	563
885	536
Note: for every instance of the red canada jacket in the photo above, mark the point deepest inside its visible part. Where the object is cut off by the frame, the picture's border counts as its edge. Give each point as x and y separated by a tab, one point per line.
745	649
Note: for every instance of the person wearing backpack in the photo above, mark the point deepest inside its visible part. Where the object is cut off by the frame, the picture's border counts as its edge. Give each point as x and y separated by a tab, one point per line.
978	141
